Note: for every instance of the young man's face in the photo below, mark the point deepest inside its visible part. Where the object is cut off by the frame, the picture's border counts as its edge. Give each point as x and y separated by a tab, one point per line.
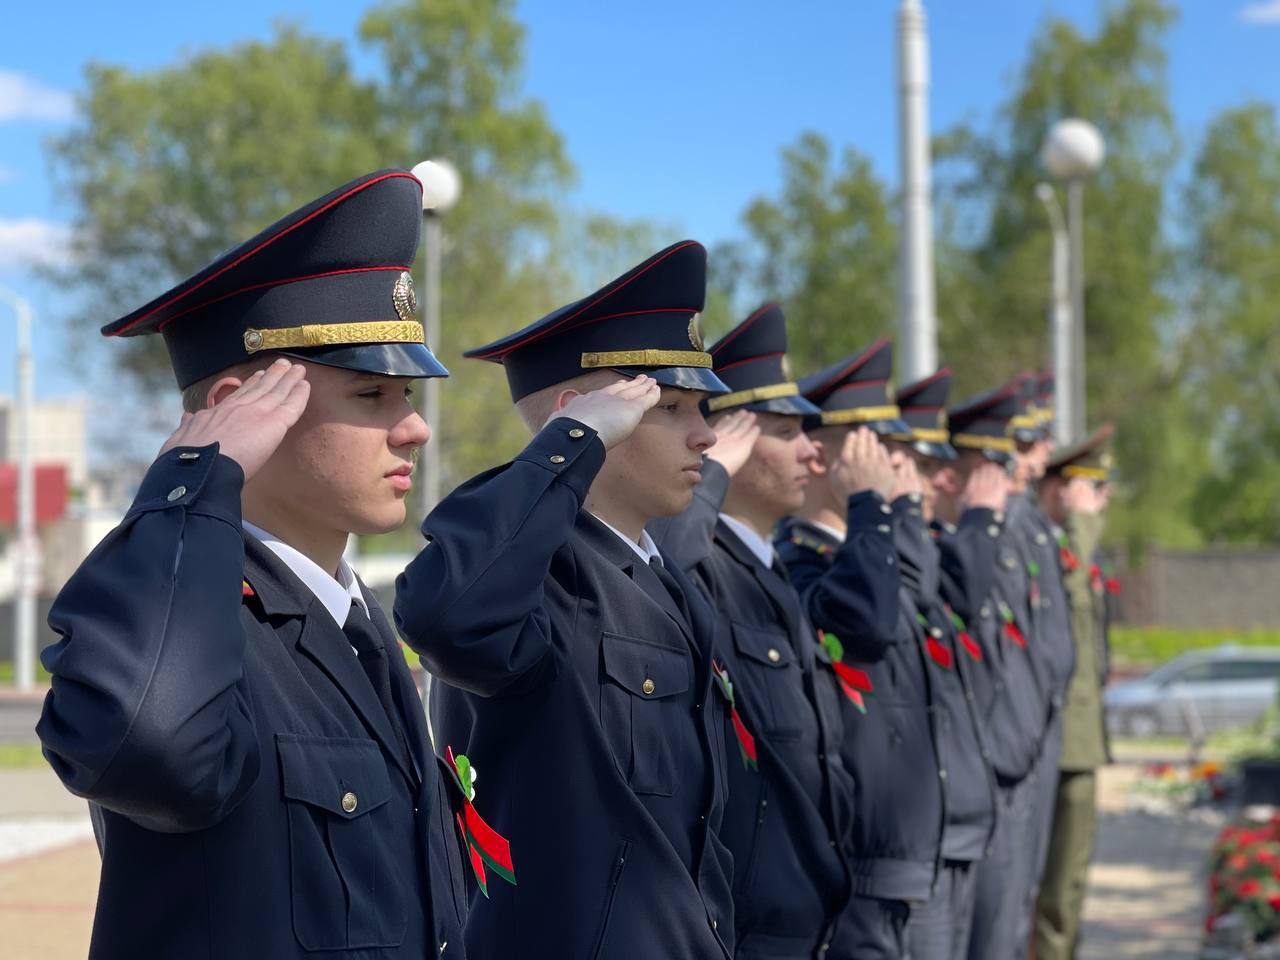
1051	502
929	470
1032	458
656	468
772	482
346	464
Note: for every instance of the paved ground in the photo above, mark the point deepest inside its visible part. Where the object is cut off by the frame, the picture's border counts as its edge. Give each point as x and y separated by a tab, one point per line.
1147	884
18	715
1145	894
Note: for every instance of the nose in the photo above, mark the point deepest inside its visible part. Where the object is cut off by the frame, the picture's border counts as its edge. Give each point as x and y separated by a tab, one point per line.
806	450
412	431
702	438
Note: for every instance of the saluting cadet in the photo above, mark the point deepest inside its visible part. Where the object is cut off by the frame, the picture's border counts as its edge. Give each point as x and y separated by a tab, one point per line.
575	660
939	928
788	811
1006	690
1050	617
225	691
1074	496
834	550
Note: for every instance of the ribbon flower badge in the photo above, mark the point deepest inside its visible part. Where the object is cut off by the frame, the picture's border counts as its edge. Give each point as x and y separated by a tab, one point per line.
484	844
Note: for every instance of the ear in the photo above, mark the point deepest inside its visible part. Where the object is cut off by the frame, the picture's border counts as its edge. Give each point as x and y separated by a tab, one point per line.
819	465
945	481
563	398
222	388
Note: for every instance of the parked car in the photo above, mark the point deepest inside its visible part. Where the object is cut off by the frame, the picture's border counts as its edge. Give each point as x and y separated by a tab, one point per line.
1202	691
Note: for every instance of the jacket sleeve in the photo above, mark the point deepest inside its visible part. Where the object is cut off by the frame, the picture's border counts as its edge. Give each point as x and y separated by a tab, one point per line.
147	714
969	561
856	595
686	538
473	602
1084	531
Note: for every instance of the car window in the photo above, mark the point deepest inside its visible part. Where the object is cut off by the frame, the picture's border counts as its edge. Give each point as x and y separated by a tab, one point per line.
1195	673
1244	670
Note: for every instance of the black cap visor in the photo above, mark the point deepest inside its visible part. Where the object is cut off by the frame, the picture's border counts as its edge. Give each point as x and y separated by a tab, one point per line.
390	359
686	378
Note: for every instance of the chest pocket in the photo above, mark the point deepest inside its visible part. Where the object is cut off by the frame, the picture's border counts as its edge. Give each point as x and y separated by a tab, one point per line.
346	894
774	688
645	692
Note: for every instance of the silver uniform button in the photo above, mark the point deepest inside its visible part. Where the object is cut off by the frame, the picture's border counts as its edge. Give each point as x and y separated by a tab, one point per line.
177	493
556	458
188	455
577	433
993	530
885	508
349	802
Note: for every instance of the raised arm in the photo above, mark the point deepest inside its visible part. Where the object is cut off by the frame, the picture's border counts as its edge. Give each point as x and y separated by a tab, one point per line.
146	714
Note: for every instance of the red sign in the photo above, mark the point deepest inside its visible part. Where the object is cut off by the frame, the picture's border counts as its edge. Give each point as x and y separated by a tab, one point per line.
51	493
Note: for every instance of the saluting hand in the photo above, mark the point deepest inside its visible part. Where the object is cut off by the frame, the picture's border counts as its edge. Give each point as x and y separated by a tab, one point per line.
249	423
736	436
864	464
987	486
613	412
906	476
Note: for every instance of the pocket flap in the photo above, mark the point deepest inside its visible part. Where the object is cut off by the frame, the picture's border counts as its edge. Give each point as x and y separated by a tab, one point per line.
346	778
647	669
768	647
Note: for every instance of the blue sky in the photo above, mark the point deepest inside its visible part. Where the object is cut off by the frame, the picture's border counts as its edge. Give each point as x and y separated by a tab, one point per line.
672	109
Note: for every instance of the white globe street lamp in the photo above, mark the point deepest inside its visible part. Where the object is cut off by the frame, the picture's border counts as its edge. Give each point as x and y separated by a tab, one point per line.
441	188
1072	151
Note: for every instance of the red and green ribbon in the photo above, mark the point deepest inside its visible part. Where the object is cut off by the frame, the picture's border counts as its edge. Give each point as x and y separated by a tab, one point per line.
853	682
1069	560
246	590
962	633
484	844
1011	628
746	742
937	651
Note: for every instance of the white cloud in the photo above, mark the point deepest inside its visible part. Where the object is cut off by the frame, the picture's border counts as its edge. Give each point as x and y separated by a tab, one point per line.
8	174
25	98
1266	11
31	242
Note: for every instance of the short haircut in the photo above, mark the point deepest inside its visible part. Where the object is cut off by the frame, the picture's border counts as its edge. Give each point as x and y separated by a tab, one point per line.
536	407
195	396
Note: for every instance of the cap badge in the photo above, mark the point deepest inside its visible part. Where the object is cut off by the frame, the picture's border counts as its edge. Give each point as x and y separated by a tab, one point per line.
695	332
405	300
785	363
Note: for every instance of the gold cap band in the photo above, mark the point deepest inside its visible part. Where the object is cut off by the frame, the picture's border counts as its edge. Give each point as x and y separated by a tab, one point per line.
646	358
929	435
980	441
1024	421
1089	473
333	334
860	415
770	392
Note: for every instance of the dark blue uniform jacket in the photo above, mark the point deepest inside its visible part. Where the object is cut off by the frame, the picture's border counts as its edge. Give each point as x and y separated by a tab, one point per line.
1048	609
853	589
785	823
1006	689
585	695
219	733
969	786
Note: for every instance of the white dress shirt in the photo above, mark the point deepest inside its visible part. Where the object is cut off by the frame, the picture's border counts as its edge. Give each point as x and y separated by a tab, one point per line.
646	549
335	595
757	544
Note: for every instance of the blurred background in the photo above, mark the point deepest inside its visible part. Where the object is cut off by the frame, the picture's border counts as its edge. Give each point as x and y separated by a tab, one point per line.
139	139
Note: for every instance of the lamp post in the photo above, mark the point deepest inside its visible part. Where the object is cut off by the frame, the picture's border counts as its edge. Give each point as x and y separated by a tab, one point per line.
917	323
1060	333
441	186
1072	151
26	554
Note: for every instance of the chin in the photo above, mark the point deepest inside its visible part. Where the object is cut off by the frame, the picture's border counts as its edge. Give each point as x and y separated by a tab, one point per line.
389	518
675	503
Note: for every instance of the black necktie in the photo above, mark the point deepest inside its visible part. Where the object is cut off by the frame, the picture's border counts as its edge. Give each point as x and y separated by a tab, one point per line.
669	584
364	636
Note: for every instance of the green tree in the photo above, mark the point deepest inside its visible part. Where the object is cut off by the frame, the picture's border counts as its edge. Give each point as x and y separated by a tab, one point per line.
825	247
1232	340
994	266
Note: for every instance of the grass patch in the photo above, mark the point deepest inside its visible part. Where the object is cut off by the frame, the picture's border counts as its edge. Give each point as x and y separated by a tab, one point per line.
17	756
1148	646
7	673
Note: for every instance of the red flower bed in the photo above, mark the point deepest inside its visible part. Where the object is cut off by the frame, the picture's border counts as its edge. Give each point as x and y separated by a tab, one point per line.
1244	876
